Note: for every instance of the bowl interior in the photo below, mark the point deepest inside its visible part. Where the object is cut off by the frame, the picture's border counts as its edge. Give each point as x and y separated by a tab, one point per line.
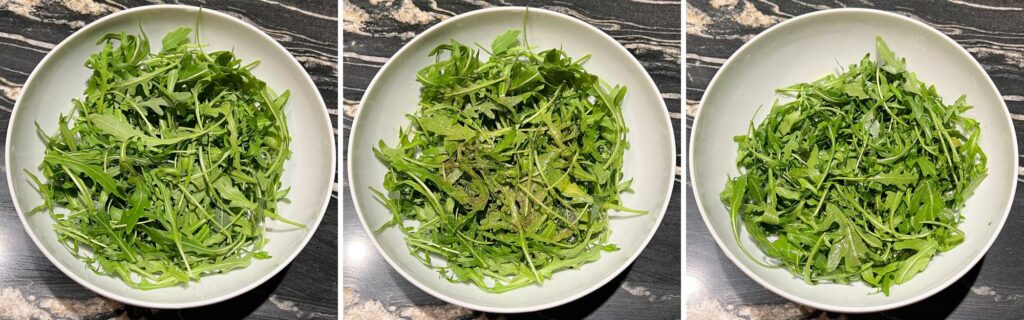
394	93
62	75
805	49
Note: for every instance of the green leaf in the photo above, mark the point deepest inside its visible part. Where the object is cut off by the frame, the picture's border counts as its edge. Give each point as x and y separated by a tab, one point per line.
891	63
175	38
855	89
95	173
505	41
445	126
138	203
123	131
574	191
895	178
787	122
226	188
787	193
916	263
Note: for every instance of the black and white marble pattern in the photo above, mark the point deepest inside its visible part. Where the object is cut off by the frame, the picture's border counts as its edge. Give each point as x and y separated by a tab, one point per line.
375	29
992	31
32	288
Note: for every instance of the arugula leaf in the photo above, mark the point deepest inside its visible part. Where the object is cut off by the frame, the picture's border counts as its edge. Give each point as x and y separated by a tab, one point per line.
891	63
505	41
93	172
445	126
916	263
175	38
123	131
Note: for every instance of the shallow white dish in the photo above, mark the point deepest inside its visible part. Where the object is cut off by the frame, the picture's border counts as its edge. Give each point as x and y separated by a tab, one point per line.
804	49
393	93
61	76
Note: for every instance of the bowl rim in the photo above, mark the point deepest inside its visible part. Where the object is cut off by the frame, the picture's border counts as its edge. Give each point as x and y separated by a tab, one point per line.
177	305
826	306
629	261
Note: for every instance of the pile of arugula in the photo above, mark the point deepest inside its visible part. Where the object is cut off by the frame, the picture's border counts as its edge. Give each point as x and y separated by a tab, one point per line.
510	166
169	164
860	178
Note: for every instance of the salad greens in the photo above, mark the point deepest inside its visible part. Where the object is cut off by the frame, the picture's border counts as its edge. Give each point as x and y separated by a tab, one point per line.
510	166
860	178
169	164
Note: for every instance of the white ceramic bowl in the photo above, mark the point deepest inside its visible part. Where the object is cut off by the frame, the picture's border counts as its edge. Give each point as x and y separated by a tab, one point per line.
310	172
394	92
804	49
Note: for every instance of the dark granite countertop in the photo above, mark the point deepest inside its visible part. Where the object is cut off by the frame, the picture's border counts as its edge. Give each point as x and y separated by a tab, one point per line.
32	288
992	31
375	29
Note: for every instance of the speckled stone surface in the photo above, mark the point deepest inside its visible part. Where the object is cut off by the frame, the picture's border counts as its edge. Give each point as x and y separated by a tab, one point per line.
992	31
375	29
32	288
